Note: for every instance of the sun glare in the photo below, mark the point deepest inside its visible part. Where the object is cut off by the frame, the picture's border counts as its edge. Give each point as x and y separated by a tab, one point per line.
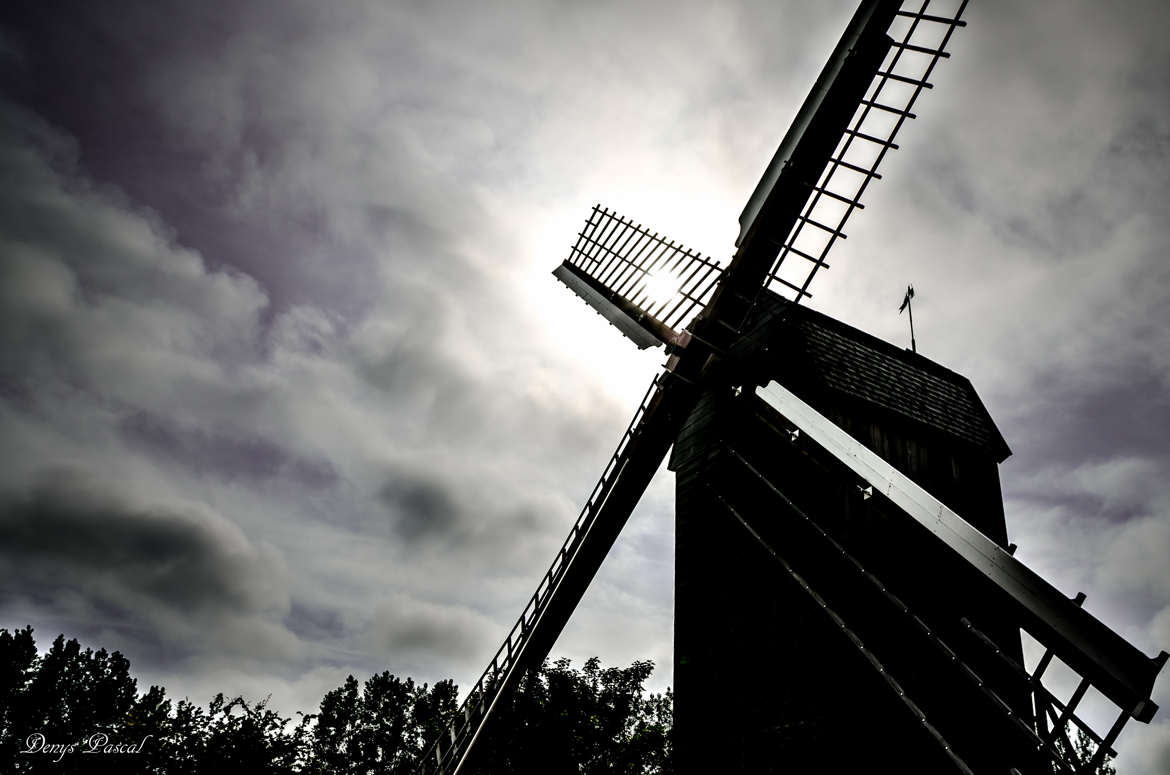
661	287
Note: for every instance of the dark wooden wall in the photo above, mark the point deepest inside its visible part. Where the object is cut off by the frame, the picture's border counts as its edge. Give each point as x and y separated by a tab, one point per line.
765	681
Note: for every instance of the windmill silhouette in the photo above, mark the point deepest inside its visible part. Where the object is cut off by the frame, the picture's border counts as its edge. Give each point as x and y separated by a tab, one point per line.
820	475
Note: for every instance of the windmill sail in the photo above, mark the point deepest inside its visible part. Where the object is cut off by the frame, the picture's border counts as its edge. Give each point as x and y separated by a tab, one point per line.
840	136
908	657
798	211
1112	664
644	285
638	456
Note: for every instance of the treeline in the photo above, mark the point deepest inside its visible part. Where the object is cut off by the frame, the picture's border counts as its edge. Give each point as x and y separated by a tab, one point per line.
79	711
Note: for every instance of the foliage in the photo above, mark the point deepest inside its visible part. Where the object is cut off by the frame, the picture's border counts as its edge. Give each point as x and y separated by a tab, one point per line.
591	721
82	700
1082	751
562	719
383	728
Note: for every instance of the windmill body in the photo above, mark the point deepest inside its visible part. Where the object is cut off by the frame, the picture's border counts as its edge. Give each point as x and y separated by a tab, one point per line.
765	678
844	587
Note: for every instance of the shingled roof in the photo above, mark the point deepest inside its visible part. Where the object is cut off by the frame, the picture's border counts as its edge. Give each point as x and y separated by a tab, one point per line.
815	353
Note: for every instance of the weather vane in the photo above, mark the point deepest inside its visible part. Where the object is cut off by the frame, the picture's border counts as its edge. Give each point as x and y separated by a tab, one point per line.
907	306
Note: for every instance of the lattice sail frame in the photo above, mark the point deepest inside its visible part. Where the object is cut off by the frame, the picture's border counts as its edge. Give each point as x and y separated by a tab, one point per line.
446	753
618	260
920	41
623	261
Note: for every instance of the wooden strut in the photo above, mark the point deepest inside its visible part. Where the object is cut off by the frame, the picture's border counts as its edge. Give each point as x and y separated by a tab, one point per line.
1118	669
633	465
837	161
870	585
870	659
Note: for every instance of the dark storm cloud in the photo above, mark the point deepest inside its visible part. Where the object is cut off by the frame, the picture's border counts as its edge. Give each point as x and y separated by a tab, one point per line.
1124	418
104	300
74	543
87	274
224	454
111	76
410	628
68	525
445	514
314	622
412	367
420	507
237	123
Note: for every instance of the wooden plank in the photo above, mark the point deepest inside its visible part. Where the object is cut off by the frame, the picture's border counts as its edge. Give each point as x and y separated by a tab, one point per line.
1115	667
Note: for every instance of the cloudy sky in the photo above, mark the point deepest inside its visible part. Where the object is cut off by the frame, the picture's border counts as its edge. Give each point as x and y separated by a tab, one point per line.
287	391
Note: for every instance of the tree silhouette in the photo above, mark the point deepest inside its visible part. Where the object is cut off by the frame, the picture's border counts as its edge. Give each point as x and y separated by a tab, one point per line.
382	728
590	721
88	699
1080	749
593	720
64	695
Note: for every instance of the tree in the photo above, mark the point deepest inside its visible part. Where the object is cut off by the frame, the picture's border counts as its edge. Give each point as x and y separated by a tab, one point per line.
88	698
18	658
588	721
64	695
593	720
382	728
1081	751
254	740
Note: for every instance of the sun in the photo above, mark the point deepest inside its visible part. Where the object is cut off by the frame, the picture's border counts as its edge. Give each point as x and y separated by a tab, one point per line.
661	287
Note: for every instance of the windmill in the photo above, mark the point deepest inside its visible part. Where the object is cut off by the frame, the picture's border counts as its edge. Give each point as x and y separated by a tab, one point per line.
839	519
